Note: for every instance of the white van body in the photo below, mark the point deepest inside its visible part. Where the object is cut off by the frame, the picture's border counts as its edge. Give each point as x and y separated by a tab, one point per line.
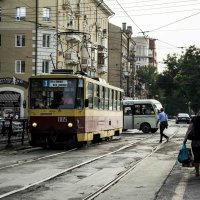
141	114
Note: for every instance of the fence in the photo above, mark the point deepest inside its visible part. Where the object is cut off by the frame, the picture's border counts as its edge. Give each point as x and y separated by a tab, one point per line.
13	130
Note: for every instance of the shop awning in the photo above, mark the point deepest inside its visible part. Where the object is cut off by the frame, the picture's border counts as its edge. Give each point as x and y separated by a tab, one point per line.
9	97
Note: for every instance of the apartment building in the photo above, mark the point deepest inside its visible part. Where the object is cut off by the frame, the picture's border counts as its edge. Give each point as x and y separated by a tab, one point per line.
145	55
121	58
38	36
145	52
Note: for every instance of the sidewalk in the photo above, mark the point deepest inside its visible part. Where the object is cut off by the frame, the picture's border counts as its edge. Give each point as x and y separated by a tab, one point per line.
160	177
14	145
182	184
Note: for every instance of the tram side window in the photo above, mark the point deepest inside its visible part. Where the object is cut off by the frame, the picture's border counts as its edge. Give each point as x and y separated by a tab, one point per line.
102	93
114	100
119	101
110	99
89	94
80	91
106	101
96	96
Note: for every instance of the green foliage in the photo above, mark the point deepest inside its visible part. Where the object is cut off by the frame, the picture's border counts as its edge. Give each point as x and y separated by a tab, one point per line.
178	86
147	75
185	75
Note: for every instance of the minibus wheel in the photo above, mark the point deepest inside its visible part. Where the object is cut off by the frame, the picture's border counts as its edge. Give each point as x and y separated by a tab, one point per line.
145	128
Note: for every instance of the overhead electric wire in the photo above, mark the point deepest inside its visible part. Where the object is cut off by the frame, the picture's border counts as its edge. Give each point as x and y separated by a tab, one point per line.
125	3
158	8
149	1
86	12
174	22
130	17
150	5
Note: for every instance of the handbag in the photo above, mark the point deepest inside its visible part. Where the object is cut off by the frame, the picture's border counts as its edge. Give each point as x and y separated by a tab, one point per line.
183	156
164	124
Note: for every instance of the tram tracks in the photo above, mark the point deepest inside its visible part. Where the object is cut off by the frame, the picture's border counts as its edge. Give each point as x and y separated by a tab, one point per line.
35	159
22	162
91	196
124	173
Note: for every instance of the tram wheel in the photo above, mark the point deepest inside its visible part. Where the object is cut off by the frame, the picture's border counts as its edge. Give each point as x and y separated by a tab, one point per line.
52	139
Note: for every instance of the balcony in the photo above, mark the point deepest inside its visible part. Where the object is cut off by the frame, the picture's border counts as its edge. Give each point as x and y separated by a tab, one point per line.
86	62
66	5
94	63
78	13
71	58
126	72
72	36
102	70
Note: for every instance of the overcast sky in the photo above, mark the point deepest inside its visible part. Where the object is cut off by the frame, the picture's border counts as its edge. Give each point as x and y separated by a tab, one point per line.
174	23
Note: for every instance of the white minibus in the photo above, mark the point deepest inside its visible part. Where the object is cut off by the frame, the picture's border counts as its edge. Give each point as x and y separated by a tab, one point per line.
141	114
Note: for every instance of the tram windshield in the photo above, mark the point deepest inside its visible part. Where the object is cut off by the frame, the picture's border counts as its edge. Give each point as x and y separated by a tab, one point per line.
56	93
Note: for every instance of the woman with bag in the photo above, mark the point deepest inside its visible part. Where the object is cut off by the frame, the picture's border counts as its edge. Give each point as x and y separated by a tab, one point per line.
195	144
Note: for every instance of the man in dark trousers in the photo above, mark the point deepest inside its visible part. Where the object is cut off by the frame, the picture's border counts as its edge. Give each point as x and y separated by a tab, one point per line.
163	119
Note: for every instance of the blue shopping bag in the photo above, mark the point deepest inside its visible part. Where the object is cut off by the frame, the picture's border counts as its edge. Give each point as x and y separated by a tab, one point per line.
183	156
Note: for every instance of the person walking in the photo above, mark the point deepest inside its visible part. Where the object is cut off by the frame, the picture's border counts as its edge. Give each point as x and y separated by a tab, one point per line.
163	119
195	144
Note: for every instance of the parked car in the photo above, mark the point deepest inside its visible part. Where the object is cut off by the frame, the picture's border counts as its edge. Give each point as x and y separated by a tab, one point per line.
183	117
17	127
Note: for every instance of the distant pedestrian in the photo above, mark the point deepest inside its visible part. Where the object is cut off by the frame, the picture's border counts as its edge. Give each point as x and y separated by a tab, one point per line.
163	119
16	116
9	115
195	144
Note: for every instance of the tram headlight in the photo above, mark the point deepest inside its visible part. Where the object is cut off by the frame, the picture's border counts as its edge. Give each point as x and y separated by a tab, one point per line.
70	124
34	124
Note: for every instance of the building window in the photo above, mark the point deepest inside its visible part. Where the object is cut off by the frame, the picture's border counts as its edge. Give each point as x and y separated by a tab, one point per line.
46	40
101	58
46	14
20	13
45	66
142	50
20	40
19	66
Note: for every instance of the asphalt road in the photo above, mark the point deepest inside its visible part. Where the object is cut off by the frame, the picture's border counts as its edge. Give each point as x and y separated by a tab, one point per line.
158	176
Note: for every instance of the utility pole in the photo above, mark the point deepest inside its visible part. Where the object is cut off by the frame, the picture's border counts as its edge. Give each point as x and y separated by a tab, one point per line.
36	36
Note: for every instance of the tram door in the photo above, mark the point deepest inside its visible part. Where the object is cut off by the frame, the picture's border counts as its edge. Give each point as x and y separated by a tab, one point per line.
128	120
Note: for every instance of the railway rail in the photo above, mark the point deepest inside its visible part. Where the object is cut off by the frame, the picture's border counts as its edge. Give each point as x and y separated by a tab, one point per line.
92	195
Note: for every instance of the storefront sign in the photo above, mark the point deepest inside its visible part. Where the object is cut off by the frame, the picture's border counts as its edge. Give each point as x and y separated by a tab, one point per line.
15	81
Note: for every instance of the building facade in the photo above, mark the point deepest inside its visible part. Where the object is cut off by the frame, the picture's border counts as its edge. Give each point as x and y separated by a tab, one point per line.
121	58
145	52
145	55
39	36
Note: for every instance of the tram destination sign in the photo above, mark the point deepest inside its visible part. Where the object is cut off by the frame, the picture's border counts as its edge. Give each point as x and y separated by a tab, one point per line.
55	83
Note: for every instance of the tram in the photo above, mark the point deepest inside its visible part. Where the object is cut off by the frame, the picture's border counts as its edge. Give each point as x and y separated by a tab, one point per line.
72	109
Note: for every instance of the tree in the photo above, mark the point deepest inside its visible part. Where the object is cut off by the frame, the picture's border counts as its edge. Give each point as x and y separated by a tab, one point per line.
184	71
147	75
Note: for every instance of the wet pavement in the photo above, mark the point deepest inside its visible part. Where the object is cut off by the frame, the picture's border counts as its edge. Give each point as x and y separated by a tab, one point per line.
171	180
